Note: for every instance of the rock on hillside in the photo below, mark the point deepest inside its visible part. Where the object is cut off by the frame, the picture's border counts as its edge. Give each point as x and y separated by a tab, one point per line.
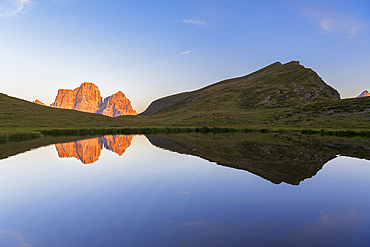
38	102
364	94
277	85
87	98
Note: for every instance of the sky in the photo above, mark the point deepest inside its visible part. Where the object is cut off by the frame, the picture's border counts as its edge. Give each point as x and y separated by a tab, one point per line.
151	49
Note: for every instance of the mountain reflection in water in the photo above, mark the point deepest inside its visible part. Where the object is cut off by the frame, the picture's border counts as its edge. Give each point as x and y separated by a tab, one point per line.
89	150
154	197
278	158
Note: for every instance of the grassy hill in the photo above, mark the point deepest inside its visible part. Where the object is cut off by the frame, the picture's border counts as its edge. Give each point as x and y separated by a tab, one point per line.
279	95
275	86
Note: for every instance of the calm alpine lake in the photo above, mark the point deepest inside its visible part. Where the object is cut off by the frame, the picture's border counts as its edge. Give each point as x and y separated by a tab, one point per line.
227	189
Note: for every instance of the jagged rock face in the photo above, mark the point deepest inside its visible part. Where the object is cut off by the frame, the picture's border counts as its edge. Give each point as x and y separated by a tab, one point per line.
364	94
65	99
38	102
89	150
116	105
87	98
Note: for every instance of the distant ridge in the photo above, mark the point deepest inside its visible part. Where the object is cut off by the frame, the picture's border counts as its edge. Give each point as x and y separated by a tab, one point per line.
364	94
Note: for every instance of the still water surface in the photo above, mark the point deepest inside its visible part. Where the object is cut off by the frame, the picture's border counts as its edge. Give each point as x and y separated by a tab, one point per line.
132	193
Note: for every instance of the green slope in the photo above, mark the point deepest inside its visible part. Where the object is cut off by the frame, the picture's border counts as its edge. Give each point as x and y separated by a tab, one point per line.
20	113
279	95
277	85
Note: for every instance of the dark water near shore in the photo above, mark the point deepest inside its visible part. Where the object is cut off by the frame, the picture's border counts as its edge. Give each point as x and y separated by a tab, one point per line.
187	189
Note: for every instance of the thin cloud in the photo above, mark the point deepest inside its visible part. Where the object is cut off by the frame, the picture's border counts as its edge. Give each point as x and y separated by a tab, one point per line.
326	24
195	22
12	7
343	26
334	22
185	52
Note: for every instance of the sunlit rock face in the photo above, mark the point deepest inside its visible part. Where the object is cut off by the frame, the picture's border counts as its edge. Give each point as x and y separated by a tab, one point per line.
65	99
87	98
38	102
89	150
116	105
364	94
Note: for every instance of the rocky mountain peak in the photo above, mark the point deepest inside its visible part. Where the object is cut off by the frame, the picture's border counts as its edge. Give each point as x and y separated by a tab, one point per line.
364	94
87	98
116	105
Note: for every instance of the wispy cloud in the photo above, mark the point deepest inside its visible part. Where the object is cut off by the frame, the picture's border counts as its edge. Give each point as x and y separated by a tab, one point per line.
185	52
195	22
10	8
333	21
17	238
344	26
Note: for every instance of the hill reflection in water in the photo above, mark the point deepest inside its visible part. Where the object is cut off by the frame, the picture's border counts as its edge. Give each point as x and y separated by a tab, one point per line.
289	158
88	151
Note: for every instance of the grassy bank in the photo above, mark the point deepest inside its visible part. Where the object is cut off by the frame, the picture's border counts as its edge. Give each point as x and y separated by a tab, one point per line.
20	135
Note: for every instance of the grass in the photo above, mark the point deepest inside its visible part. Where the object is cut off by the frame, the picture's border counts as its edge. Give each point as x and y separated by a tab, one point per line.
17	136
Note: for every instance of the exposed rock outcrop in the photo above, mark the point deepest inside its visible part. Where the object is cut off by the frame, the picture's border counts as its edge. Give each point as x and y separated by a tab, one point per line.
38	102
116	105
87	98
89	150
364	94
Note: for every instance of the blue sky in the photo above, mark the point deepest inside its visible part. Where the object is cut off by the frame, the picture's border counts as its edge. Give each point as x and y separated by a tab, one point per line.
150	49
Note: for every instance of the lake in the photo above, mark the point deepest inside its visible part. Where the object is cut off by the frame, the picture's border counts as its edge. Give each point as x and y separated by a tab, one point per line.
230	189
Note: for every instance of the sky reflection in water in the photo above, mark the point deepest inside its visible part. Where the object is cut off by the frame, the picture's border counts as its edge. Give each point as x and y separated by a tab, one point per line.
153	197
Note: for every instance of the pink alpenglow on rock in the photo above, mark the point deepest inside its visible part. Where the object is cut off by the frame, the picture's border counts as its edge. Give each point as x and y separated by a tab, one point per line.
38	102
364	94
87	98
116	105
